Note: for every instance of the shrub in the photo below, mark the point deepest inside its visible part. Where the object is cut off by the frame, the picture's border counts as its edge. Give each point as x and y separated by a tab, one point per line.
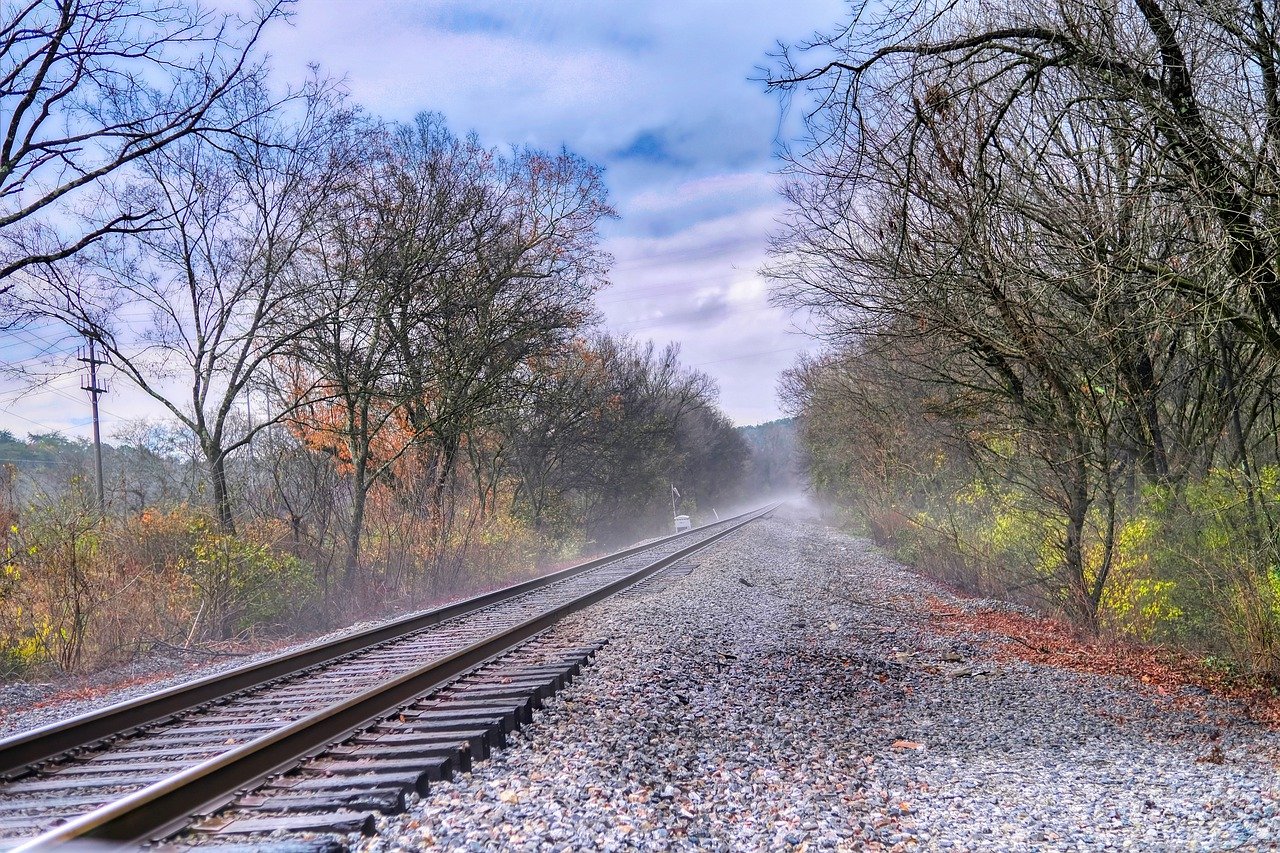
244	584
55	581
79	593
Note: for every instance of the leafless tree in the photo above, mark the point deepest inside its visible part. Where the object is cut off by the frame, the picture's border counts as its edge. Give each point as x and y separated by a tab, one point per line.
495	261
627	452
1200	77
1063	216
215	276
446	266
88	87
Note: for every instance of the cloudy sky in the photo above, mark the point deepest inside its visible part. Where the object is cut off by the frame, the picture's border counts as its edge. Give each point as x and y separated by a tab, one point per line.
660	93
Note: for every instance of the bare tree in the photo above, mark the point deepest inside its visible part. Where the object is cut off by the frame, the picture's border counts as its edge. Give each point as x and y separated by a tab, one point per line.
1063	217
1201	76
620	473
496	261
216	274
445	268
343	399
88	87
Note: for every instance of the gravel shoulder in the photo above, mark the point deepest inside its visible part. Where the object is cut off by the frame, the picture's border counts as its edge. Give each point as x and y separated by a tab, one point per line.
793	693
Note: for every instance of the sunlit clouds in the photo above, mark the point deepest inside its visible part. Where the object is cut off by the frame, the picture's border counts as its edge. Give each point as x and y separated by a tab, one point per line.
664	95
661	94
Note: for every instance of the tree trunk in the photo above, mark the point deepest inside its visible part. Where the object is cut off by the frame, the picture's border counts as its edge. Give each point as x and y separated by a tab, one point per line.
221	492
1155	455
1083	602
1229	386
355	530
446	458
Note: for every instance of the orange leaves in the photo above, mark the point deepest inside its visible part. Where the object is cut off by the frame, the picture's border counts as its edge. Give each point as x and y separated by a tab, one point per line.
327	425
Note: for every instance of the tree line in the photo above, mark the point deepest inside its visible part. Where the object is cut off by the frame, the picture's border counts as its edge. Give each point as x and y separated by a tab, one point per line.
1042	243
375	342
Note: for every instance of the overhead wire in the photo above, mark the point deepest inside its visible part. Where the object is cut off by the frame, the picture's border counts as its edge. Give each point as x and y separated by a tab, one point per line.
48	389
47	427
36	461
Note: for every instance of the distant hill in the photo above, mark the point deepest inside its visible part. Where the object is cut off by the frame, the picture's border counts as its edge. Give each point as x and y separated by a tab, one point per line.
136	474
42	449
775	465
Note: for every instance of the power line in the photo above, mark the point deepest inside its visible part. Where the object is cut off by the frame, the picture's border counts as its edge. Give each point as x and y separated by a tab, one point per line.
40	353
18	395
51	390
11	413
23	460
26	335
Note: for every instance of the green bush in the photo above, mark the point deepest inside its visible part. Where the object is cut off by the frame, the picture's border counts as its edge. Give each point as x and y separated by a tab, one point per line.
244	584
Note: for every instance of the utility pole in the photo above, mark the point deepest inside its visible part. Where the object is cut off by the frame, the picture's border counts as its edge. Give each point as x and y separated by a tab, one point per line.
95	390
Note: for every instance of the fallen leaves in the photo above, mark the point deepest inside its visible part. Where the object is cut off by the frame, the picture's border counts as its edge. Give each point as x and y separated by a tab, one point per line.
1159	671
1214	756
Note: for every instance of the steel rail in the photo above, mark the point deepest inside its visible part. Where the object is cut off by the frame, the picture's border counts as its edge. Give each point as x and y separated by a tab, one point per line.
19	752
162	808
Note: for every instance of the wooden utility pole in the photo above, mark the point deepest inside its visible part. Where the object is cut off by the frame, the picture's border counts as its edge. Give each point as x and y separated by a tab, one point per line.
95	390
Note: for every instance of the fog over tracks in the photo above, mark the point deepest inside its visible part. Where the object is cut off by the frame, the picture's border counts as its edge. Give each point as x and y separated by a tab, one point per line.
790	690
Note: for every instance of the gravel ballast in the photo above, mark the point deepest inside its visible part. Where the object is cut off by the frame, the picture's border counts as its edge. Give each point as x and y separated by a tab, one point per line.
790	693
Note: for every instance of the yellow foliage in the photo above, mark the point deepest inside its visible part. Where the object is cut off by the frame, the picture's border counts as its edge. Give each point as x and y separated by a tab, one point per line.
1135	601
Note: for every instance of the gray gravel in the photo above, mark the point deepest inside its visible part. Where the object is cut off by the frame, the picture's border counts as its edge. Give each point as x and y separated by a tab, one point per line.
765	716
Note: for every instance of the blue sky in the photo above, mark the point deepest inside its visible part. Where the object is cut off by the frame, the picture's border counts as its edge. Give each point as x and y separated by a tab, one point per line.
659	93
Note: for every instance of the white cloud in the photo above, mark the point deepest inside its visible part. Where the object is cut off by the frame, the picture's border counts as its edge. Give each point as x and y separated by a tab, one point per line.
737	186
662	283
594	77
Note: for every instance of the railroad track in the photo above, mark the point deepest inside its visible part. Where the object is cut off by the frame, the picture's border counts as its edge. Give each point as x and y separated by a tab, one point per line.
410	701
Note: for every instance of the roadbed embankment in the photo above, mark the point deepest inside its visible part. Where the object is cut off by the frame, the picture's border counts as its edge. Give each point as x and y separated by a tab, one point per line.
798	691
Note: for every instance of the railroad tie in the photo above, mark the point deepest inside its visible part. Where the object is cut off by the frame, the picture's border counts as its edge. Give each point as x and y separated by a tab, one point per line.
660	580
441	733
73	779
